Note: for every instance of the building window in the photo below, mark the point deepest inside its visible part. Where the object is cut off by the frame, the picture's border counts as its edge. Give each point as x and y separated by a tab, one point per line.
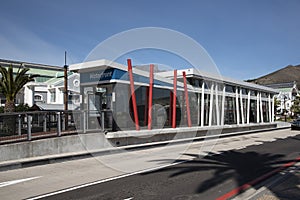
253	93
38	97
75	98
3	100
230	88
194	82
263	94
52	95
230	110
252	114
244	91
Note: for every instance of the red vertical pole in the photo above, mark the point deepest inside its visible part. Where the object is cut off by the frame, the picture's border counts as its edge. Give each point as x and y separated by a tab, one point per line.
146	107
136	119
187	100
170	109
150	97
174	99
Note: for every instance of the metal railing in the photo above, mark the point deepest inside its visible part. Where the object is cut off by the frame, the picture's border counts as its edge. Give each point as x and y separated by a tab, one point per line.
26	126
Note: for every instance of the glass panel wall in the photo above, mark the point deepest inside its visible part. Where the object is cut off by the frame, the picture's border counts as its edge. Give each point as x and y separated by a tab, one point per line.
206	108
230	110
265	108
253	93
214	109
253	112
160	109
245	109
123	108
115	100
230	89
193	100
161	114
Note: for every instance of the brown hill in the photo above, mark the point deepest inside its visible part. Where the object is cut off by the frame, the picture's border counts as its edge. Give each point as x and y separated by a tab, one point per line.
287	74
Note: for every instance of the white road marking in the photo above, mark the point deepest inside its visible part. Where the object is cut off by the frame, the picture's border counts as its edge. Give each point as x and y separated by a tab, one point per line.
7	183
129	198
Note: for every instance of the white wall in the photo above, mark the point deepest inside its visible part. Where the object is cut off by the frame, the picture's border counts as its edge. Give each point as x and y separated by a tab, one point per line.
28	96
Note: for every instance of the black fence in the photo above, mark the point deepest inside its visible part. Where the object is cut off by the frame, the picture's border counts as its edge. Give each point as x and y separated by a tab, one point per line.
26	126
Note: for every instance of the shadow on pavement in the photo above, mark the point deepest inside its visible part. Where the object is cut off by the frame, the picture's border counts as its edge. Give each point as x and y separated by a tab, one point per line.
288	188
295	138
240	167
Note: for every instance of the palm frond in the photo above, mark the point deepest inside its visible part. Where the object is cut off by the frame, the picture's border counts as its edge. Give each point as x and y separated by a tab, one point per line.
11	84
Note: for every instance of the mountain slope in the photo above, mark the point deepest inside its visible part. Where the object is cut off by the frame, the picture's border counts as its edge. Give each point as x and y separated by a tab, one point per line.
285	75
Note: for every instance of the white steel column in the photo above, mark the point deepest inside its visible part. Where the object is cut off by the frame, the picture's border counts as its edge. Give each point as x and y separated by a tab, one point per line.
202	105
261	110
273	109
223	106
257	108
198	109
242	107
248	108
217	106
211	105
237	106
270	106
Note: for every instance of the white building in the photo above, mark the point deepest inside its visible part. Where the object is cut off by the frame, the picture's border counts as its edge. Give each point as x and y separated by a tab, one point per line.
213	100
286	94
47	91
50	94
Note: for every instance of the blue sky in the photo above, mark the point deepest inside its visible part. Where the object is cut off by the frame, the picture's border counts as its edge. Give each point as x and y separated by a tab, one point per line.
245	38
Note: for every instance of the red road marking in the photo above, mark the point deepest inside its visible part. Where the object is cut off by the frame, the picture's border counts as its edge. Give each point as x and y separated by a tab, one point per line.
246	186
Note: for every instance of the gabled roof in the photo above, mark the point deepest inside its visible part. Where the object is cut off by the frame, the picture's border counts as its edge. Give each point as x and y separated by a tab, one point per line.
50	107
40	69
4	62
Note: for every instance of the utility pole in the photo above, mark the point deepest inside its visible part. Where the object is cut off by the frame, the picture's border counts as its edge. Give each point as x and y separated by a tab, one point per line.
66	91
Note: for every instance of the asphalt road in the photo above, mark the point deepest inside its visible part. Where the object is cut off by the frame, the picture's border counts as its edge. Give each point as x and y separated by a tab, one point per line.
200	178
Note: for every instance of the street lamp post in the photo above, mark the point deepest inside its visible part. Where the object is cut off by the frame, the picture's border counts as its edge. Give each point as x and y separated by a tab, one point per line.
66	92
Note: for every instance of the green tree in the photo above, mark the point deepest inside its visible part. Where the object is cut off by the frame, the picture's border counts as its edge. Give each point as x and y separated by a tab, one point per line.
295	108
22	107
10	85
276	106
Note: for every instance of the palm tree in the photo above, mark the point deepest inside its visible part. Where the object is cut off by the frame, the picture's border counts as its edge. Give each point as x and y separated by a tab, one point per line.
10	85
